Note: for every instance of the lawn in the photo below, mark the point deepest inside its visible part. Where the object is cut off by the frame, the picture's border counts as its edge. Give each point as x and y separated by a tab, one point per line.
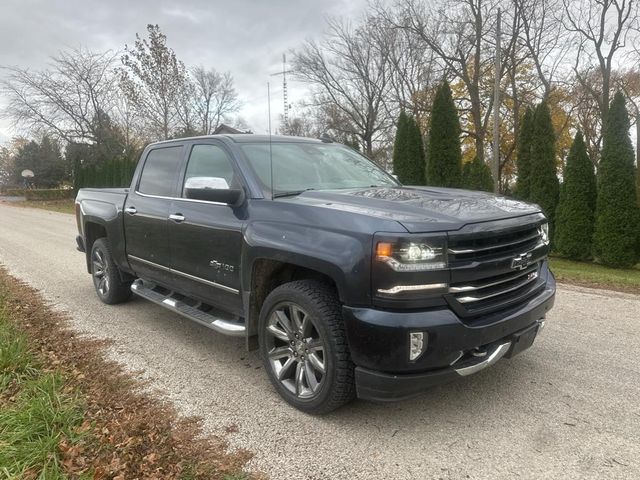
68	412
66	205
597	276
38	413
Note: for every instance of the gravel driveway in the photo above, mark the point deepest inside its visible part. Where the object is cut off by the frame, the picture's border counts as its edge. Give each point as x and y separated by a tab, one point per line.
567	408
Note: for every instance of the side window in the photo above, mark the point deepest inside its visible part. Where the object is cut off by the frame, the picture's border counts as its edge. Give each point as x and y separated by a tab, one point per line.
159	171
207	161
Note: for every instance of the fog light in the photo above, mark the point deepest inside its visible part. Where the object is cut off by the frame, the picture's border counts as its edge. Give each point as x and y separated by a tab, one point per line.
417	344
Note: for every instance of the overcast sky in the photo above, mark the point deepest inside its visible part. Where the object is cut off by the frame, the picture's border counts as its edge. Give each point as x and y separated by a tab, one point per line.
244	37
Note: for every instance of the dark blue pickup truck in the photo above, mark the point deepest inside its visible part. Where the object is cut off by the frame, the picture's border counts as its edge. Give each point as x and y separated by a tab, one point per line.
348	282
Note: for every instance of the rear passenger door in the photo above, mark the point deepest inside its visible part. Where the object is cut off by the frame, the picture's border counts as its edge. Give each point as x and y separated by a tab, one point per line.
206	237
147	212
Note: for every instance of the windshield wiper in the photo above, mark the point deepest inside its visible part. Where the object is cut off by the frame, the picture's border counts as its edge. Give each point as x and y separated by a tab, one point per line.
292	193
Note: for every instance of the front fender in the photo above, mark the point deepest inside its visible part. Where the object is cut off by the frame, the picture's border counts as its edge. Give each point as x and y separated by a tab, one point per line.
345	257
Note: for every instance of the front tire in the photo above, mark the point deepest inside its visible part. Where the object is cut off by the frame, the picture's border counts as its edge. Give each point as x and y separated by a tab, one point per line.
106	275
304	347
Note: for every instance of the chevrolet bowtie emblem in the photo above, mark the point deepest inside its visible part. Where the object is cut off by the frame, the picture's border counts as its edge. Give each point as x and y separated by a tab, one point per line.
522	261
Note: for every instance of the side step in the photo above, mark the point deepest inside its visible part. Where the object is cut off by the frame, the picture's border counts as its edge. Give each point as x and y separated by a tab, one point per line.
198	312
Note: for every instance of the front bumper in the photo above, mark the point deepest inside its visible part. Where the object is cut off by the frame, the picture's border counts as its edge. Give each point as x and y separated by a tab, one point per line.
378	341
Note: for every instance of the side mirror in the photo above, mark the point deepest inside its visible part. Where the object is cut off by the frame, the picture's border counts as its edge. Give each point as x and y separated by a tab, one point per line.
212	189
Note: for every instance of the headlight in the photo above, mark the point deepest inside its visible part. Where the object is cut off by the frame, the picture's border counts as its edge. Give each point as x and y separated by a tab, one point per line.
413	256
543	230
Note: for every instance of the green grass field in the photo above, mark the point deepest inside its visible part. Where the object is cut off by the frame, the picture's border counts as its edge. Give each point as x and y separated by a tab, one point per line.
63	206
37	411
66	205
598	276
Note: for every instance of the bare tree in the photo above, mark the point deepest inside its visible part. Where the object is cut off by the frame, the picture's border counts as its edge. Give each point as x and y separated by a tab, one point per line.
601	28
349	70
215	97
414	70
458	34
153	80
543	37
69	98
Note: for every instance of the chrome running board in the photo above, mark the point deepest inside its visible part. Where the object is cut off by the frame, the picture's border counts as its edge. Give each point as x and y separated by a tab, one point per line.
201	313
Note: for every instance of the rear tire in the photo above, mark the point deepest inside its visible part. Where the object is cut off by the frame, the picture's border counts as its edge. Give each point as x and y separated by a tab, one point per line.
106	275
304	347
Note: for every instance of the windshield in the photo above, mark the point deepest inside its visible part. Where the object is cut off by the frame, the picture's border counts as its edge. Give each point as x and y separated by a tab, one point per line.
313	166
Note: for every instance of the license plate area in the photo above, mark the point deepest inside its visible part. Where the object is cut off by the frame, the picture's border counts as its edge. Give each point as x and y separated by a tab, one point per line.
522	340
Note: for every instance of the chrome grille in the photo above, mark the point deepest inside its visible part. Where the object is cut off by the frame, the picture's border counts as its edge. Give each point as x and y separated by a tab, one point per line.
479	247
494	292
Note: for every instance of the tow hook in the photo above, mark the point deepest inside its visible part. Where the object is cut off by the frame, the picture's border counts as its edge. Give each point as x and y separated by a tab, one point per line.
479	352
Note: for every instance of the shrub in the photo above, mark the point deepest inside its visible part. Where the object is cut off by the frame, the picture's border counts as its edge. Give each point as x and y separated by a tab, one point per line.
408	152
476	175
48	194
544	185
444	159
13	192
523	157
576	210
617	228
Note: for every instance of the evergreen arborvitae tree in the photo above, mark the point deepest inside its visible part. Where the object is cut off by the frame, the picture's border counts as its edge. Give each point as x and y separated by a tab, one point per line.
576	210
408	152
523	158
617	227
476	175
544	185
444	165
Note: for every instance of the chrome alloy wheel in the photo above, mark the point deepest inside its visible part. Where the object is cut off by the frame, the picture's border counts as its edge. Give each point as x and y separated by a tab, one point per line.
296	350
100	272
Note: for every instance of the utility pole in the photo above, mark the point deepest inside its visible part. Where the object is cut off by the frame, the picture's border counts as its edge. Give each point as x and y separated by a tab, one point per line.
284	89
496	113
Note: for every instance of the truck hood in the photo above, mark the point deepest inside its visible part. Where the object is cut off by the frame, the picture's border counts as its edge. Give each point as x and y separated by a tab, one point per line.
420	209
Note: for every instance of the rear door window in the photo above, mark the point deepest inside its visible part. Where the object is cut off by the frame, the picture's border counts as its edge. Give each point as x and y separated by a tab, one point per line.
160	171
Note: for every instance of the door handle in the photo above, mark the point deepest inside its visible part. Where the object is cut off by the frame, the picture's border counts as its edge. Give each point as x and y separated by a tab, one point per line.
131	210
176	217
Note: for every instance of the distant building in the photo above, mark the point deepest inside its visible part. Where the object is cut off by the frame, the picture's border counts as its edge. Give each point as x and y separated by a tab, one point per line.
222	128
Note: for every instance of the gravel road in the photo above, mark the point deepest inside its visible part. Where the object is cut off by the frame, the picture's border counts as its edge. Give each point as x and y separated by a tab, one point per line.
567	408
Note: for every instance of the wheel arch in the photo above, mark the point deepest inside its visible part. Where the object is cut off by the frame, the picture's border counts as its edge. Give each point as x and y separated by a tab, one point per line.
269	273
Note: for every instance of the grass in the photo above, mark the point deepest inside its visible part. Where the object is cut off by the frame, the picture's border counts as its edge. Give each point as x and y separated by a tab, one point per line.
66	411
596	276
66	205
36	411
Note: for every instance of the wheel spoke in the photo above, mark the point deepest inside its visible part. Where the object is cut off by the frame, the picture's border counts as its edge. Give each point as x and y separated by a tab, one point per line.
305	328
285	323
315	345
299	378
297	316
282	373
97	269
315	361
279	352
312	381
101	285
278	333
